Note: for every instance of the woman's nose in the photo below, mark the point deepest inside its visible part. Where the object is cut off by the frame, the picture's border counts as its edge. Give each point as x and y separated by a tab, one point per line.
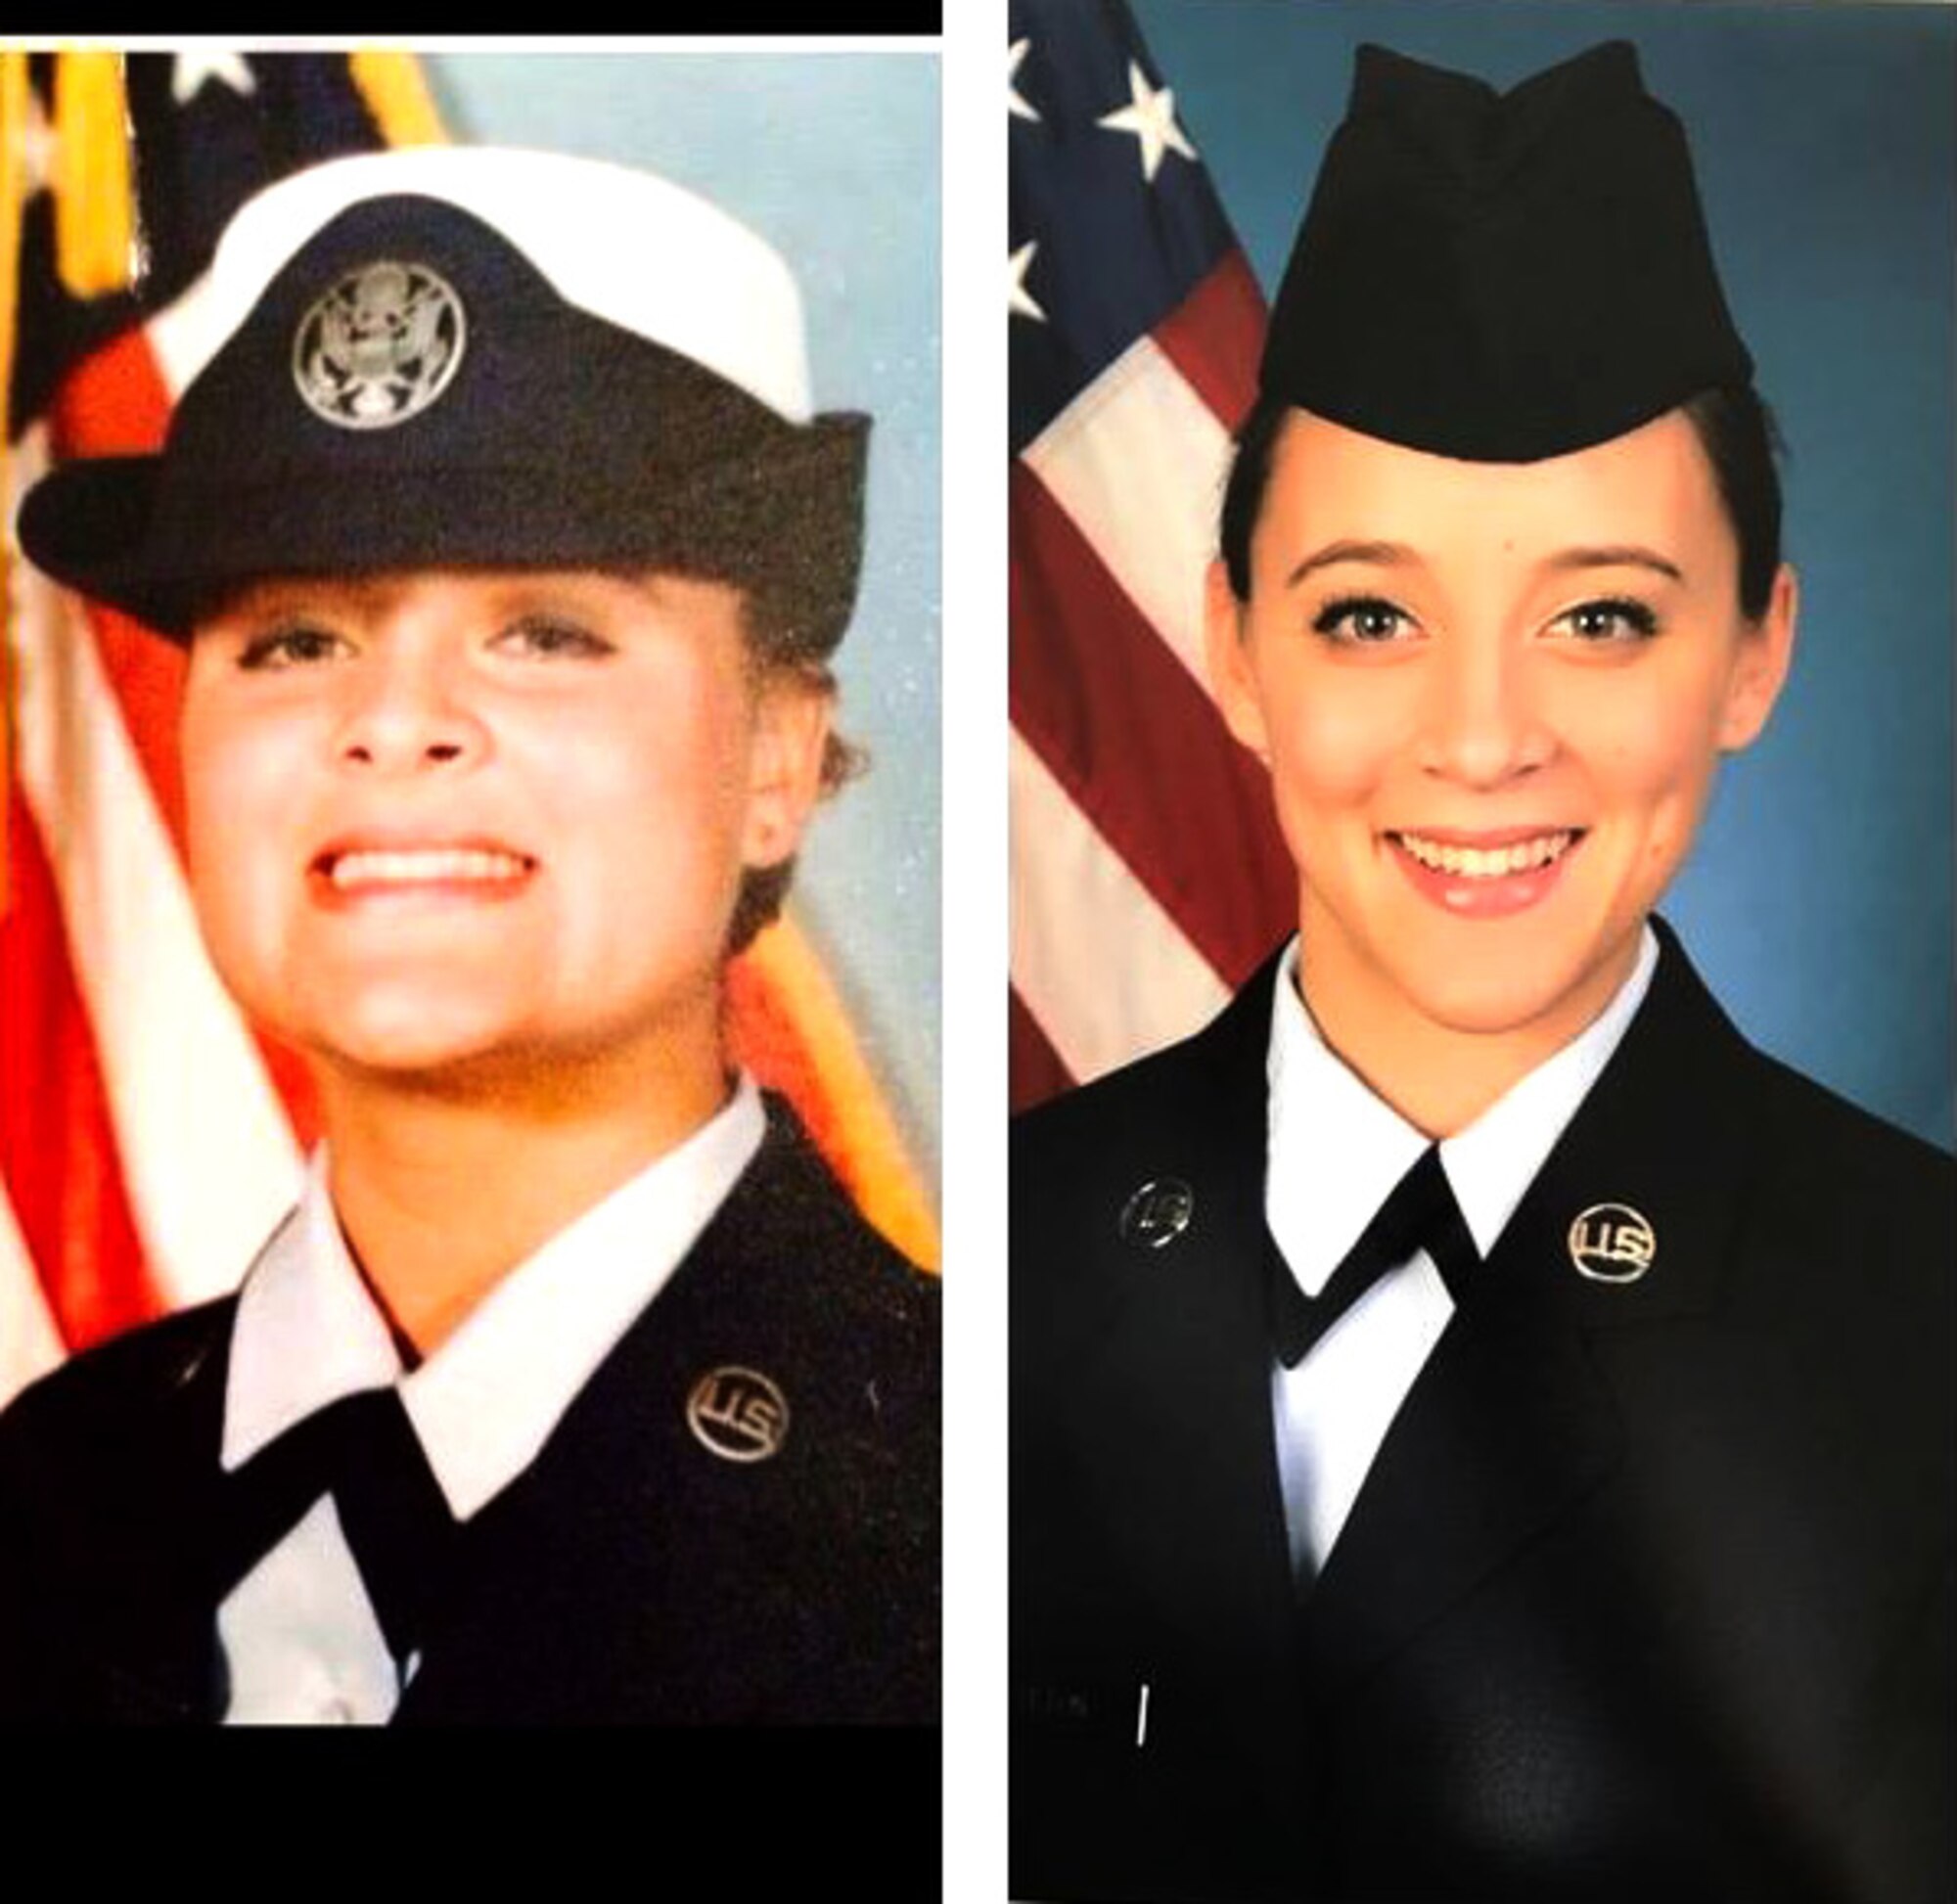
408	711
1483	727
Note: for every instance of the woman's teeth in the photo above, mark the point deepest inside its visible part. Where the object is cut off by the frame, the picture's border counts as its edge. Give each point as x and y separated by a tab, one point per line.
424	868
1487	863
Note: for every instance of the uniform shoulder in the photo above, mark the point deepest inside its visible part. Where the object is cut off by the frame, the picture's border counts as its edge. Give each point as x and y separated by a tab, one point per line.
115	1390
1822	1142
794	1263
1166	1091
96	1456
1116	1097
1853	1233
794	1206
1814	1151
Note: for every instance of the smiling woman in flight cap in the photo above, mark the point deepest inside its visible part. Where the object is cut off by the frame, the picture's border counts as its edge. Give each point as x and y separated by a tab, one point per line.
509	560
1479	1428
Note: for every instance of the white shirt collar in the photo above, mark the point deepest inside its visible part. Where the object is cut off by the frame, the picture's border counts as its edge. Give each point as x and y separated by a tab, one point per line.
1336	1148
486	1400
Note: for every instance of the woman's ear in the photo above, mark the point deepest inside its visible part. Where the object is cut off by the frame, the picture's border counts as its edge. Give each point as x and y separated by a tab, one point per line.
1232	681
792	716
1766	648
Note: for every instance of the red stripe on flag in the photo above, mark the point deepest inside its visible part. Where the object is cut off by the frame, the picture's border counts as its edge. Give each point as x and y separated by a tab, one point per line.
1215	335
1138	744
58	1149
1035	1068
147	674
113	403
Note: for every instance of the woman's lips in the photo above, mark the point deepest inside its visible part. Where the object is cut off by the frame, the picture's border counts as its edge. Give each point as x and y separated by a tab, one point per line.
1485	876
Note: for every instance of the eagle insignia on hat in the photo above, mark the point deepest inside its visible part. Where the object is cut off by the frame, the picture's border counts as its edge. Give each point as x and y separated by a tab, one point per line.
380	347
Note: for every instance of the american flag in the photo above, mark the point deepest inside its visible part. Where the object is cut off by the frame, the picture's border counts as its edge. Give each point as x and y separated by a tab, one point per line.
1148	874
148	1139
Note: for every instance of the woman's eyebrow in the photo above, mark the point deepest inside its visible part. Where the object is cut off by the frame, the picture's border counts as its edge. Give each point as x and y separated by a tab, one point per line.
282	595
1613	555
1381	554
1397	554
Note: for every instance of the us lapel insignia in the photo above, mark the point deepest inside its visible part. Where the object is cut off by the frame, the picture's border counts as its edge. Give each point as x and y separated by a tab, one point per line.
1158	1212
737	1413
1611	1242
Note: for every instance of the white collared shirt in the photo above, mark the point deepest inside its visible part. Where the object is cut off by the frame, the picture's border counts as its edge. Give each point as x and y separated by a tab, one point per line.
1336	1151
300	1636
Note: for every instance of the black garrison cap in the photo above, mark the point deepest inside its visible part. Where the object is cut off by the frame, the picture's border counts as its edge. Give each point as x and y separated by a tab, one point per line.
1501	277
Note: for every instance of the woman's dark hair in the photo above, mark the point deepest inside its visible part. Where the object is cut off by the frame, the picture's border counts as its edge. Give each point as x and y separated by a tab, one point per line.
1735	427
1244	491
1737	432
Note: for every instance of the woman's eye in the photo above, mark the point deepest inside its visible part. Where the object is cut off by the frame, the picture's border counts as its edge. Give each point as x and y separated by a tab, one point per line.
1363	620
299	645
547	635
1612	620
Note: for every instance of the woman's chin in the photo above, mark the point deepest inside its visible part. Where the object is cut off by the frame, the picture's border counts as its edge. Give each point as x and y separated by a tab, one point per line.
1512	990
426	1045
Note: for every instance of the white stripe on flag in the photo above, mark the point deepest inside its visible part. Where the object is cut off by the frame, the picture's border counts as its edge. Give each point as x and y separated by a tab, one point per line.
1100	965
207	1152
29	1343
1137	460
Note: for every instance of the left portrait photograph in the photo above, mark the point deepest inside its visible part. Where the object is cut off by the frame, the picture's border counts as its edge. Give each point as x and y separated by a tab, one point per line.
468	899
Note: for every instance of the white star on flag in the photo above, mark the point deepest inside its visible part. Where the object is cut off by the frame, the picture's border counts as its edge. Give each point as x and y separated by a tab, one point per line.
1016	107
1018	300
1150	115
191	70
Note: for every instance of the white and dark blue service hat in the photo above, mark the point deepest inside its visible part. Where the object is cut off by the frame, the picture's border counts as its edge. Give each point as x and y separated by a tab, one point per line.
454	357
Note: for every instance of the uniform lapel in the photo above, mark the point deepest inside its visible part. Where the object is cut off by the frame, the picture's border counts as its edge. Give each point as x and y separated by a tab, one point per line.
1507	1428
628	1503
673	1549
1174	1407
1511	1423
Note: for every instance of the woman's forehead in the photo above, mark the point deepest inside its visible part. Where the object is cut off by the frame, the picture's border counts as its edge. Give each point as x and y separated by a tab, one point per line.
1329	484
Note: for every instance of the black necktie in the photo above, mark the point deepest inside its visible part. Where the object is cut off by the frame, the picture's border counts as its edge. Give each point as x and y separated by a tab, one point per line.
1419	1214
362	1450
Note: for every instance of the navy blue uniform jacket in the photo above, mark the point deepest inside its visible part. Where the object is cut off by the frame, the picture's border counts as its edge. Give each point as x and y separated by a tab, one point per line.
628	1574
1649	1594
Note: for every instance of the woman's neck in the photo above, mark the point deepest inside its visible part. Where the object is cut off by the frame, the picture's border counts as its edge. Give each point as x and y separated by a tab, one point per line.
1440	1077
442	1186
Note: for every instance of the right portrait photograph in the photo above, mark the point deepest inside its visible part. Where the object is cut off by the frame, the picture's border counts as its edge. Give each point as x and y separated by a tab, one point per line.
1483	1227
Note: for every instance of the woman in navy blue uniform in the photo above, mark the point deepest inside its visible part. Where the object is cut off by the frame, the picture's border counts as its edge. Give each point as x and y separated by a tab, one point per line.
509	556
1480	1428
